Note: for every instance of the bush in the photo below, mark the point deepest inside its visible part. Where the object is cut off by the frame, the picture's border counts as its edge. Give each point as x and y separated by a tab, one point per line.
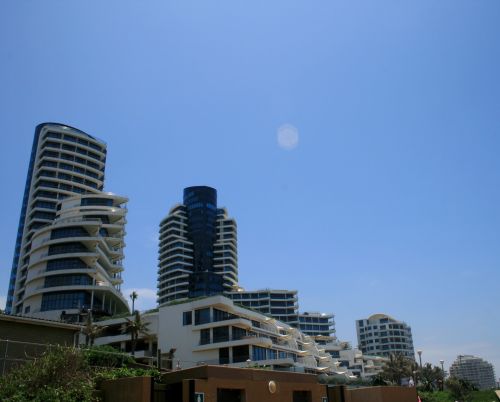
123	372
106	356
61	375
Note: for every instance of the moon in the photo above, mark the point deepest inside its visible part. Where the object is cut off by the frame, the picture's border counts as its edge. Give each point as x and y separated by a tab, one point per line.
288	137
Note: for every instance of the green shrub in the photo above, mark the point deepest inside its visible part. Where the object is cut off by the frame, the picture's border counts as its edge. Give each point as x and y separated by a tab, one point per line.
123	372
61	375
106	356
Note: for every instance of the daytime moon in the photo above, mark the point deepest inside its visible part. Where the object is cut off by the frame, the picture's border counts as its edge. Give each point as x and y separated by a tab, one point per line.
288	137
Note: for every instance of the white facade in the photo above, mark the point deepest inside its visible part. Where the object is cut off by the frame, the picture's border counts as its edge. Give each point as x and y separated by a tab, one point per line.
64	161
317	324
75	263
279	304
115	334
214	330
382	335
474	369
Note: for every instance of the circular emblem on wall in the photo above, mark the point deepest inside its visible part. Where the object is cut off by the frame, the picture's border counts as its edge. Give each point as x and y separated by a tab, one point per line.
272	387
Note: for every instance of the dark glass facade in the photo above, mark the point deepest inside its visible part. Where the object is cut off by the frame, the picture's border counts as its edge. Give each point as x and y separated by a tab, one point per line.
22	219
201	206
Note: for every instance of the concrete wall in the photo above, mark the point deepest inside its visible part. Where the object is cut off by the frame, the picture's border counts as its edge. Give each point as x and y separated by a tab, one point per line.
131	389
24	336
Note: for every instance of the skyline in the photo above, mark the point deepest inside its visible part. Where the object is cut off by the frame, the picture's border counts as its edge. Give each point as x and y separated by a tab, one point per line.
385	196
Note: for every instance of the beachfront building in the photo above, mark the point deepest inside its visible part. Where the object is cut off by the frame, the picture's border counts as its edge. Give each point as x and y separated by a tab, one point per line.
474	369
214	330
60	267
279	304
75	262
198	253
382	335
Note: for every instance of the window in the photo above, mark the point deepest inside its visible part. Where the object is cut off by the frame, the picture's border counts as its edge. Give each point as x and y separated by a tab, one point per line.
220	315
259	353
221	334
240	354
204	336
187	318
202	316
223	355
238	333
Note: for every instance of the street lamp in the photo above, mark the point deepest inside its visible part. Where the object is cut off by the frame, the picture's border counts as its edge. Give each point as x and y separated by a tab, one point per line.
420	358
442	370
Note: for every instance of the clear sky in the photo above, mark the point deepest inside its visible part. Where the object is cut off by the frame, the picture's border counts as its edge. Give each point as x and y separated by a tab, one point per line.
389	201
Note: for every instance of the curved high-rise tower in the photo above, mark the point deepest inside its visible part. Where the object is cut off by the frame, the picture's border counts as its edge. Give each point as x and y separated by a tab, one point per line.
75	263
64	162
198	250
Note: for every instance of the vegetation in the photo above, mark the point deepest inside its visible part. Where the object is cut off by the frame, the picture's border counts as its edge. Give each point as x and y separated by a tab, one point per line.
60	375
431	378
67	375
134	297
106	356
446	396
122	372
397	368
136	327
91	330
459	389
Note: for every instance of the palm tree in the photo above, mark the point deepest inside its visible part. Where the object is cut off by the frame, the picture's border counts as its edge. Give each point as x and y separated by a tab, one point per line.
91	330
136	327
396	368
133	296
430	377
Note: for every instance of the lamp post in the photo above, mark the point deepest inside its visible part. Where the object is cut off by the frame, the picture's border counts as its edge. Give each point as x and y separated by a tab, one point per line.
442	370
420	358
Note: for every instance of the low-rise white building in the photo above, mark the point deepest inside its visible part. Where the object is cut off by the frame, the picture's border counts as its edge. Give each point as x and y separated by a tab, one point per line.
214	330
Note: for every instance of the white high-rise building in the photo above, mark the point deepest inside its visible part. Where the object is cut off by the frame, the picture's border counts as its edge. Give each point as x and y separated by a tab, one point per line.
75	263
64	162
382	335
474	369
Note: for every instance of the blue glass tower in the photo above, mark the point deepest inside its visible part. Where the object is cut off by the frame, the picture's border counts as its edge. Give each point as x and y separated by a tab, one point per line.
201	205
198	250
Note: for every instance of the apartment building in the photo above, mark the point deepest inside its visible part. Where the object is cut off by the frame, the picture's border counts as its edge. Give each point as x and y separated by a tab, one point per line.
64	162
382	335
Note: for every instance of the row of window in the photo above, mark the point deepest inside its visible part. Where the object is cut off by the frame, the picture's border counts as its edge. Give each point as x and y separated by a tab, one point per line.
63	186
73	231
43	215
72	148
67	137
64	300
71	158
45	204
239	296
67	280
66	248
67	177
71	168
319	320
66	263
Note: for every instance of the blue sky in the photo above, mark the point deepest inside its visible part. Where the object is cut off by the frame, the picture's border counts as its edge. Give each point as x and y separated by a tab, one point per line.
390	201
